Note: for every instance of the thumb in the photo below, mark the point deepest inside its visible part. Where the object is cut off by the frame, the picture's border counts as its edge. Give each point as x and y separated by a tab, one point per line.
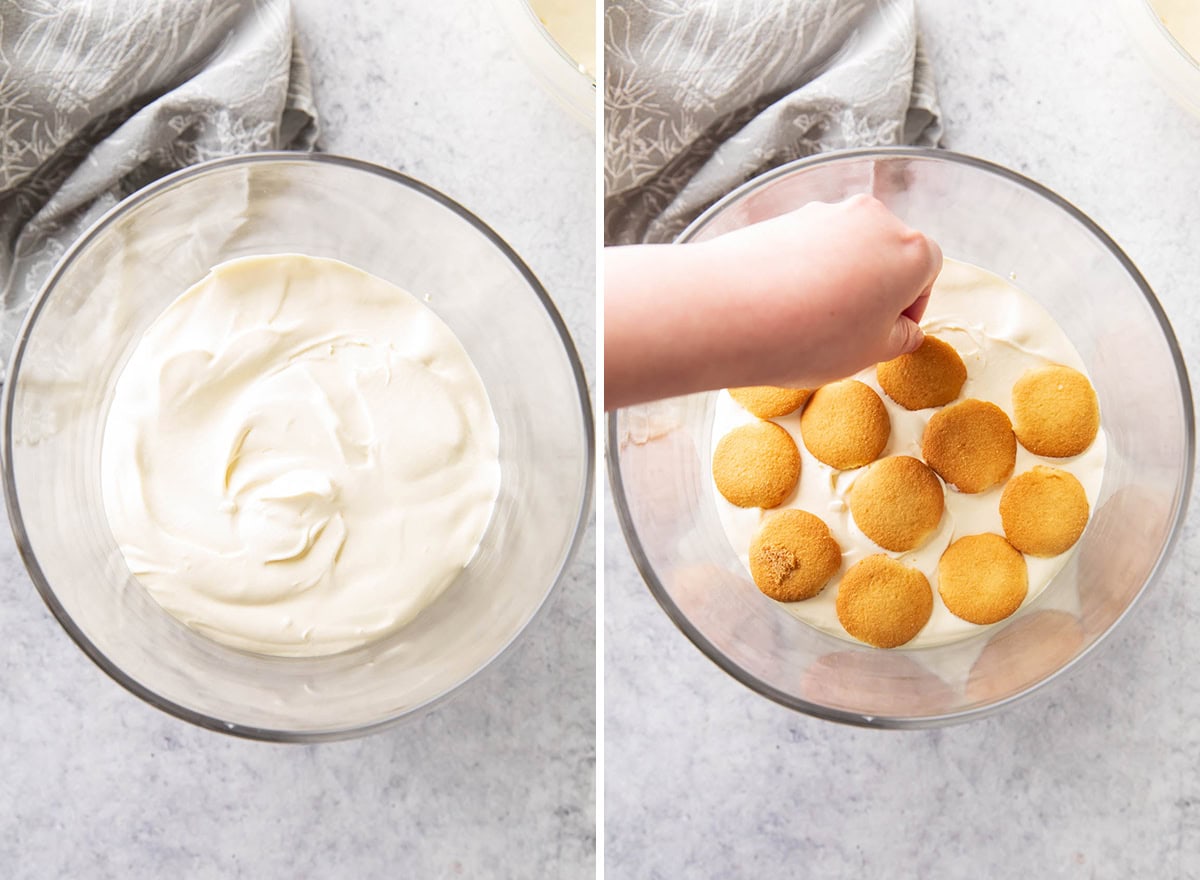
906	337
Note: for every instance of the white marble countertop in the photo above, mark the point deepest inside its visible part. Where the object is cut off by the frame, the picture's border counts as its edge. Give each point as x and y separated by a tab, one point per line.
497	783
1098	775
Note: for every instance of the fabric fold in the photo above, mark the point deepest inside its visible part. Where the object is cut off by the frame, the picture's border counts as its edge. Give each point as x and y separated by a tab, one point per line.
99	98
703	96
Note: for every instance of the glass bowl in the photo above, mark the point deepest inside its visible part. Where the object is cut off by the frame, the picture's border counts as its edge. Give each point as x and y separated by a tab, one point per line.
126	269
564	77
1176	68
983	214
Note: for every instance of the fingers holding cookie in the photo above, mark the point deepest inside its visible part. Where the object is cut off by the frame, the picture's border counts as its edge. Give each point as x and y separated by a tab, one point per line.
933	375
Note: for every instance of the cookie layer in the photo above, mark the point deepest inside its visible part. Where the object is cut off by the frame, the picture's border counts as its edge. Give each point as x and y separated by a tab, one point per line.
1055	411
756	465
793	556
1044	511
769	402
897	502
970	445
933	375
982	578
845	424
883	602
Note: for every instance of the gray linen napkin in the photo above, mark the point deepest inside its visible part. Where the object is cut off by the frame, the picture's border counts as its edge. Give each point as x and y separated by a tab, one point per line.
100	97
702	95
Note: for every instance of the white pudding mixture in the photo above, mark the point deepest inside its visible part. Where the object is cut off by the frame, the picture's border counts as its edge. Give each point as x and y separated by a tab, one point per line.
299	457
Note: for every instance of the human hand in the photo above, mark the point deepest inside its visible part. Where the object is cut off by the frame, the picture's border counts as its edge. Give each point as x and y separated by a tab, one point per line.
799	300
824	291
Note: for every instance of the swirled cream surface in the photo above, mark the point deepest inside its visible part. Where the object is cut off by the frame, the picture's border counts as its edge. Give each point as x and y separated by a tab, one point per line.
299	457
1000	332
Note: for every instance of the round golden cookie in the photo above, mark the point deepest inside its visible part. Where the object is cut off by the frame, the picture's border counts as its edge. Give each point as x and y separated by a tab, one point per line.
933	375
769	402
845	424
982	578
970	444
756	465
897	503
1055	411
793	556
883	602
1044	511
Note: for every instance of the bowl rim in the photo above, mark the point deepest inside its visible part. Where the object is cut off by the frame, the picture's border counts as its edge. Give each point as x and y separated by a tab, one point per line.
744	677
537	22
12	503
1169	35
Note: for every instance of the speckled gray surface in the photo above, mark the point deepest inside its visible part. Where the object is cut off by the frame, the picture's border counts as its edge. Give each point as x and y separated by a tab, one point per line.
1097	775
497	783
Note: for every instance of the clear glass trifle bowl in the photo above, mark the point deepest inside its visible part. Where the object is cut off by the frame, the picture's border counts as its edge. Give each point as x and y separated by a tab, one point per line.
980	213
119	277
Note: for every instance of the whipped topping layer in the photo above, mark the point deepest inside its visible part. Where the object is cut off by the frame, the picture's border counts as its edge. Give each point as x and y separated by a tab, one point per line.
572	24
1000	332
299	457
